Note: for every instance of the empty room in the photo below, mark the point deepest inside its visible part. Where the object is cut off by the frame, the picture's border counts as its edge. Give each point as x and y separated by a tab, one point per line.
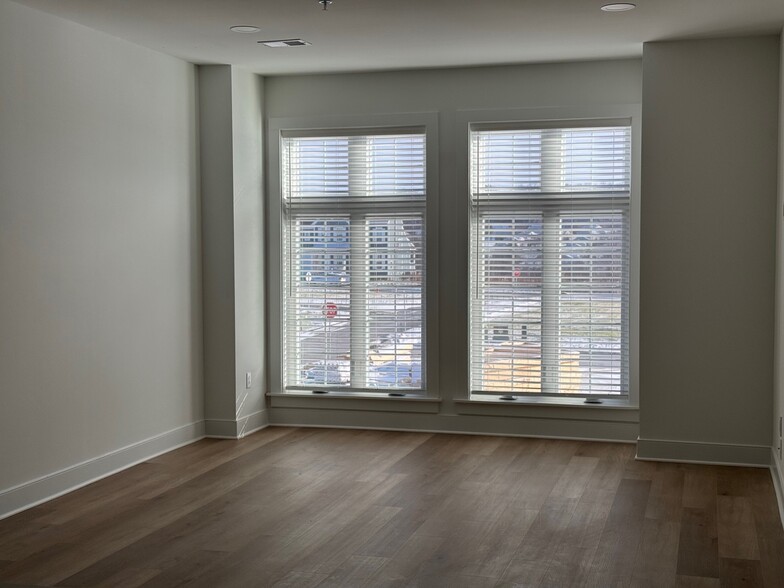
349	293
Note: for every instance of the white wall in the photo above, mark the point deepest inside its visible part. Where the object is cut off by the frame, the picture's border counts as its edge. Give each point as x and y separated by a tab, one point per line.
448	93
100	311
708	239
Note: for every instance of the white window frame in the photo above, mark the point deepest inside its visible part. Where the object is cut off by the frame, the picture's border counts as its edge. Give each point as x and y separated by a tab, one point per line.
580	116
426	123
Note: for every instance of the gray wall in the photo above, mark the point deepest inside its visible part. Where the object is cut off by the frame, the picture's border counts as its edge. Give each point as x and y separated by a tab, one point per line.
447	91
230	114
708	223
249	249
100	284
778	394
217	190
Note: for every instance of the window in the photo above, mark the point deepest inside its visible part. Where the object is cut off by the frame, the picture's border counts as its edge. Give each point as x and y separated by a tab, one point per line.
550	259
353	259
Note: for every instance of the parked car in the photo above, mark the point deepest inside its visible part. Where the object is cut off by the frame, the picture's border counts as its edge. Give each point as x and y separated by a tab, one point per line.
396	374
322	373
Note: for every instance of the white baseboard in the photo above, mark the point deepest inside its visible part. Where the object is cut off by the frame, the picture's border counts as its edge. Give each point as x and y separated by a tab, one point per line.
236	429
776	472
451	432
555	428
703	453
34	492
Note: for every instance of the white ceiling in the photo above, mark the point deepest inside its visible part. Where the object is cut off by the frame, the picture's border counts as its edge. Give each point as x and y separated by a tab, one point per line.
357	35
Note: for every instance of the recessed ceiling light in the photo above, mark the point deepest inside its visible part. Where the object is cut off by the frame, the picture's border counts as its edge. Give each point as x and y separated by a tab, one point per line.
285	43
618	7
244	29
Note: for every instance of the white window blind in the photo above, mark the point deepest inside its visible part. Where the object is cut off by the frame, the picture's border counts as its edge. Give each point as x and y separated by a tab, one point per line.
353	261
550	260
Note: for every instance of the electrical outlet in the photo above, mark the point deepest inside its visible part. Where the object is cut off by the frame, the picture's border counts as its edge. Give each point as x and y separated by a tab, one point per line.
248	379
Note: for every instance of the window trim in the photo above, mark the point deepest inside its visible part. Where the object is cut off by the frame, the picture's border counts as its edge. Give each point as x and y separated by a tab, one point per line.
426	122
560	116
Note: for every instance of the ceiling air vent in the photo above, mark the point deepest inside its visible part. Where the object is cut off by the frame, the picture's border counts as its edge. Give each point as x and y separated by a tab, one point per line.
285	43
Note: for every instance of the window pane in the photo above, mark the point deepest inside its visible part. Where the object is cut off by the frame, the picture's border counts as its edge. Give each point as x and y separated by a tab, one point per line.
316	167
593	291
507	161
551	161
397	165
318	308
507	315
394	301
353	262
596	159
353	168
550	261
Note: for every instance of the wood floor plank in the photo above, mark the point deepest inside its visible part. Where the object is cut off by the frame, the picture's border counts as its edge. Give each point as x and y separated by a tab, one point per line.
403	567
300	580
570	562
480	548
456	581
523	573
574	479
696	582
770	537
735	525
128	578
356	570
740	573
497	466
623	532
656	562
340	507
666	498
770	534
388	540
698	546
699	487
325	556
187	570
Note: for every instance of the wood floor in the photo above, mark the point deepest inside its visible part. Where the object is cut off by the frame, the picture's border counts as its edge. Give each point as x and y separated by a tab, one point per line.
328	507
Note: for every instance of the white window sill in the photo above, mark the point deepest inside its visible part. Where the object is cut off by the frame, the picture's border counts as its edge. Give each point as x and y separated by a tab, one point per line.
549	407
607	403
367	401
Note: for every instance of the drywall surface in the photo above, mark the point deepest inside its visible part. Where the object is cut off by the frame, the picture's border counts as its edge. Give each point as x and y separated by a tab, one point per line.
778	359
446	90
230	114
249	247
708	226
100	311
449	93
217	189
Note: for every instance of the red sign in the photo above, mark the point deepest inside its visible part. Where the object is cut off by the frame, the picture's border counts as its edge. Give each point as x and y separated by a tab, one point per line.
329	310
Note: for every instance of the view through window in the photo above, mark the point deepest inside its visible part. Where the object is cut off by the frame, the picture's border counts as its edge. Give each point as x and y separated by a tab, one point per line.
550	260
353	260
